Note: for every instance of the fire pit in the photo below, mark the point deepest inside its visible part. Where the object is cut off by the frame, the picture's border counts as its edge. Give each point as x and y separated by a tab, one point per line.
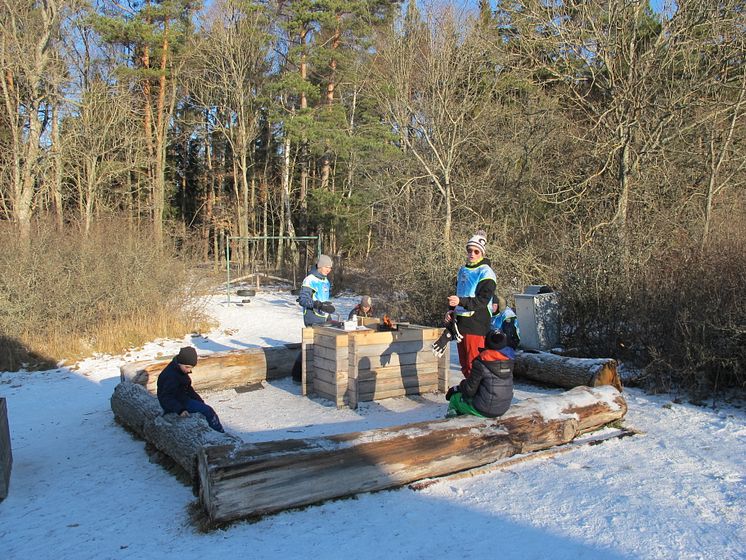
380	361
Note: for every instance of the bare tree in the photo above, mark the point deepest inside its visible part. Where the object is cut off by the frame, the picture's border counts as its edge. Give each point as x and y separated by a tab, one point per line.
227	70
27	59
98	141
435	84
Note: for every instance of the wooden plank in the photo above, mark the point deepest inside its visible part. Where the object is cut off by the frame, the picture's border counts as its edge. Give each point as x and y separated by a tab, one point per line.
6	453
408	381
398	372
221	370
380	394
373	391
368	337
330	392
332	354
329	365
402	352
329	337
262	478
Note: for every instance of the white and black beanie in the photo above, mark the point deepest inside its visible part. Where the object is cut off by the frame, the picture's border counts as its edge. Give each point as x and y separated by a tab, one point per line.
479	241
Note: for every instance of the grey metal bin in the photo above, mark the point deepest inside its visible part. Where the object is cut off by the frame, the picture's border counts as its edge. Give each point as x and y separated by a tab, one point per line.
538	318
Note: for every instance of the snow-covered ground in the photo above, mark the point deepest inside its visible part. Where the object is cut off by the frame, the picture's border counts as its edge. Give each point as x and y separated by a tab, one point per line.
81	487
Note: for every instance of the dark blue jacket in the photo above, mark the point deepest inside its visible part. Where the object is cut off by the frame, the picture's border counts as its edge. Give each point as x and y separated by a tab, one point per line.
175	389
490	385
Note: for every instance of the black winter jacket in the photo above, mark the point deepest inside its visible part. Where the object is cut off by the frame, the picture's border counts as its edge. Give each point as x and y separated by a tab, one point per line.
490	385
175	389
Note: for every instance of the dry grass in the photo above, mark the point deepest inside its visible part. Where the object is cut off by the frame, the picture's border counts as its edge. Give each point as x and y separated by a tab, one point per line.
64	297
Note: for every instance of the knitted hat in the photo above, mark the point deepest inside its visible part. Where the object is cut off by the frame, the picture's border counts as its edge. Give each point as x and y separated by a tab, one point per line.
495	340
501	304
365	301
479	241
323	261
187	356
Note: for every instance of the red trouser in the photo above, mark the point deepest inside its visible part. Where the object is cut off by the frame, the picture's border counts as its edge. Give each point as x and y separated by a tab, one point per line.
468	349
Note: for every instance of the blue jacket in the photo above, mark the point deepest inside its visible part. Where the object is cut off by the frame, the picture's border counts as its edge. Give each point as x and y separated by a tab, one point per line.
315	289
175	389
507	322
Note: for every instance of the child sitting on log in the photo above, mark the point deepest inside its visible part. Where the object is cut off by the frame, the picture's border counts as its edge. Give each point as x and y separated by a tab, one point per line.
488	391
175	392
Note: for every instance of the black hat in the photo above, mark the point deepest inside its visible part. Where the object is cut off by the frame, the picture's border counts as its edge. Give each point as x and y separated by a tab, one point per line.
496	340
187	356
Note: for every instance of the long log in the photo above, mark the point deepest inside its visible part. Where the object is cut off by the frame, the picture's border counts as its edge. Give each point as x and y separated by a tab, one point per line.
221	369
566	372
179	438
261	478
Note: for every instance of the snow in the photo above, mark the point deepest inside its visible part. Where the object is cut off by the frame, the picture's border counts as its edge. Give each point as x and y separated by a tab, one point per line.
81	487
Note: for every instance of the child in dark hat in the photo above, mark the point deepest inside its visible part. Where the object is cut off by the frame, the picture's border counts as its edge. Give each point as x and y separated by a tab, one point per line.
175	392
362	309
488	391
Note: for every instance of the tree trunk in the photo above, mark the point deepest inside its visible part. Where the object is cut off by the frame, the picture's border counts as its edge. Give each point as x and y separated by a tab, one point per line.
222	369
261	478
179	438
566	372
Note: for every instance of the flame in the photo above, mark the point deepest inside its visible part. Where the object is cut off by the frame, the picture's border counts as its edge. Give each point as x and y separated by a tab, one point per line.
386	320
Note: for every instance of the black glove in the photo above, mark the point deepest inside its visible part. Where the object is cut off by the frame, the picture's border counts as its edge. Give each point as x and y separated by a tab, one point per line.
326	307
450	392
440	345
455	333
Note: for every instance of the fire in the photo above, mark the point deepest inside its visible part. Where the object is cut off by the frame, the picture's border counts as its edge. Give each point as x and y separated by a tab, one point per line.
386	321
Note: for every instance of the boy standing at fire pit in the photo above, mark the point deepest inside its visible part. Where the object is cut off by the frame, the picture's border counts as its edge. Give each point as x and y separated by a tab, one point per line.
315	293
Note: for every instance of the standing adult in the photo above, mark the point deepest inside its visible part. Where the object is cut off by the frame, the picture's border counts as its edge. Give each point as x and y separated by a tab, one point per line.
314	298
315	293
471	306
176	394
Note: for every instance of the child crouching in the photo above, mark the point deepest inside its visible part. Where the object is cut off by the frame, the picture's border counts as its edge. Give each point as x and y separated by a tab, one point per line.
488	391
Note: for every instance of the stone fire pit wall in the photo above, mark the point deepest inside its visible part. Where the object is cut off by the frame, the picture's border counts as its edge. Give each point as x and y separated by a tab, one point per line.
349	367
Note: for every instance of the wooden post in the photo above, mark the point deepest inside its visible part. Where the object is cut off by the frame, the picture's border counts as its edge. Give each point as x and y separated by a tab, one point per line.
267	477
6	455
307	357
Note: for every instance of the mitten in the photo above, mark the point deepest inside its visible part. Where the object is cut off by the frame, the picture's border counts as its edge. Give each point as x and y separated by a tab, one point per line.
450	392
327	307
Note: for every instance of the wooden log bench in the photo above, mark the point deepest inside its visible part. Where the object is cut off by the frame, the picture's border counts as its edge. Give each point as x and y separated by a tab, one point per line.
251	480
6	455
566	372
221	370
178	438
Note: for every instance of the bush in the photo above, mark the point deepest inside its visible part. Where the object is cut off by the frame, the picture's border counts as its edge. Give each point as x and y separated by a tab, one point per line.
679	314
64	295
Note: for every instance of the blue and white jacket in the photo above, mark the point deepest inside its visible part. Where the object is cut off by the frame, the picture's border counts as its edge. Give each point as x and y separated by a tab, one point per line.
315	288
473	285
